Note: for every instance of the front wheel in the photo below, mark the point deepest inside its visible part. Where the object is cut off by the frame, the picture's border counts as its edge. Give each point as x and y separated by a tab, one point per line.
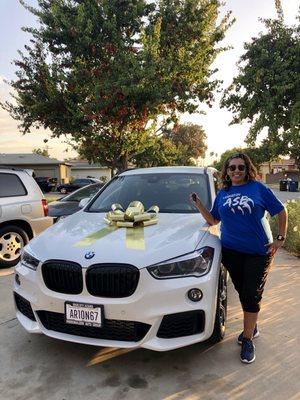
12	241
221	310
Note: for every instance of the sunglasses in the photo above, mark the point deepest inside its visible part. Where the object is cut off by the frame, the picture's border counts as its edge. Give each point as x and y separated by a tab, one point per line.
240	167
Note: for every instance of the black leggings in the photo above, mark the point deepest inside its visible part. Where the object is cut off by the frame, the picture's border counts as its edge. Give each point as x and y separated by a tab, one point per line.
248	273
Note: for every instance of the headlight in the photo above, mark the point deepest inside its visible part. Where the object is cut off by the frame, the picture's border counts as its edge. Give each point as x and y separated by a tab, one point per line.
29	261
195	264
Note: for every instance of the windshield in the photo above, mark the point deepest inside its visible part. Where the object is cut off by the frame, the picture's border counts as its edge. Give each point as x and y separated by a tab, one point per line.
87	191
170	192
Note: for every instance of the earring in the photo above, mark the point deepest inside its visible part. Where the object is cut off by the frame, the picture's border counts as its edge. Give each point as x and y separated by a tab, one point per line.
227	178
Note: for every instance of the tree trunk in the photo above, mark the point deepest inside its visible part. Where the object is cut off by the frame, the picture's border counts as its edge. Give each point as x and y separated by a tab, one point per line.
123	162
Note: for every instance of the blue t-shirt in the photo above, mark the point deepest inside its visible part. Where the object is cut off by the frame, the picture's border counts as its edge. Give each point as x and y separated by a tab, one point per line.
241	210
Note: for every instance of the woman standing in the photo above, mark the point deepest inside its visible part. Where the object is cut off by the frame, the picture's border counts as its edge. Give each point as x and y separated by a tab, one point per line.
247	244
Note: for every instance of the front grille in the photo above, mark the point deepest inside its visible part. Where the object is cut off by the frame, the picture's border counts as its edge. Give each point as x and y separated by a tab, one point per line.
24	307
181	324
63	276
112	280
128	331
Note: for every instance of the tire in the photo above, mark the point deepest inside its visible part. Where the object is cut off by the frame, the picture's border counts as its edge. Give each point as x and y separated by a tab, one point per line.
12	241
221	310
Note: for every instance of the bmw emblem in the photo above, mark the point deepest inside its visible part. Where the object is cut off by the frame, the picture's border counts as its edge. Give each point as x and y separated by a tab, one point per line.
89	255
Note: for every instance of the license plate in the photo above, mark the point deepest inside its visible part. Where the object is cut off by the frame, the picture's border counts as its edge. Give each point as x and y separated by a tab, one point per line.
83	314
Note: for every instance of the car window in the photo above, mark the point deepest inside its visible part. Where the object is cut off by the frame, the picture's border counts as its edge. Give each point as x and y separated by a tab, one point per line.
83	193
171	192
80	181
11	186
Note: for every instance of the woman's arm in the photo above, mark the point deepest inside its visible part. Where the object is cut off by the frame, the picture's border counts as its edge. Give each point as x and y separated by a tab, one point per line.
282	222
282	229
204	211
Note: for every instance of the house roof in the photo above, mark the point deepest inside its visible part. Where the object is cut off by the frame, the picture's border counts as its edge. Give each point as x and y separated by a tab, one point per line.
27	159
281	163
84	164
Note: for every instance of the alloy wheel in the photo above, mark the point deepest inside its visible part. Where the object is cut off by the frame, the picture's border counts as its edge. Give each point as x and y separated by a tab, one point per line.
11	244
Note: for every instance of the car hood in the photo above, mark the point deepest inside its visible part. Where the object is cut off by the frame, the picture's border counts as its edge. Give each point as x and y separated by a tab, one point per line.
72	238
59	208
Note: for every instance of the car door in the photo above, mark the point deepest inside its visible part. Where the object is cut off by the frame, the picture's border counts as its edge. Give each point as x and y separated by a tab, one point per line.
14	199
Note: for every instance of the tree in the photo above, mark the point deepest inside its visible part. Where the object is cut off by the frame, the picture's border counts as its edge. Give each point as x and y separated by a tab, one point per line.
160	151
42	152
181	145
279	9
266	91
102	71
189	140
258	155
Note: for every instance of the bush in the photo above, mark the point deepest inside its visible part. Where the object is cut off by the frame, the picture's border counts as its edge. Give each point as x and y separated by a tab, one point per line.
292	242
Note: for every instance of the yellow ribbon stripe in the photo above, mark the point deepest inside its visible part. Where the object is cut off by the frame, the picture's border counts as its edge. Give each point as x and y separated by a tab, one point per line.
90	239
135	238
134	216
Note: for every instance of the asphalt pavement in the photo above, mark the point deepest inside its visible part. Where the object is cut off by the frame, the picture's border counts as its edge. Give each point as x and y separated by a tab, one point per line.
284	196
36	367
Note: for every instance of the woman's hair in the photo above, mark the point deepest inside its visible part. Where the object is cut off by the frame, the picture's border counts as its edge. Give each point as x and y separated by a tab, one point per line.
251	172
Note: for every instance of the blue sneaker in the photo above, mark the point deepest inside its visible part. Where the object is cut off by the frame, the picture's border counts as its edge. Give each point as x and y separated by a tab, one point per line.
248	351
255	335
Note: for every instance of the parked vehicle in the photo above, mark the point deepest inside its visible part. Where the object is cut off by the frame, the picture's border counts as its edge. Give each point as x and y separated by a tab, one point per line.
76	184
23	213
69	204
159	287
46	183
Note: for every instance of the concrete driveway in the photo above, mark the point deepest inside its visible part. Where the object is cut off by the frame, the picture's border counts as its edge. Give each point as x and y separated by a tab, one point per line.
284	196
36	367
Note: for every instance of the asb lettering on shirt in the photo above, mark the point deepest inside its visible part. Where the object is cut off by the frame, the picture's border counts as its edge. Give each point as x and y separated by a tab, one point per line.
239	203
242	212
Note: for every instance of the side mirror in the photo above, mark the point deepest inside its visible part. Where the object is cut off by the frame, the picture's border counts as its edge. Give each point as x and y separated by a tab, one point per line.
83	202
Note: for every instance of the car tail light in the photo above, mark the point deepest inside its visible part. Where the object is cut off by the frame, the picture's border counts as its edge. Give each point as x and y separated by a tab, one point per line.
45	207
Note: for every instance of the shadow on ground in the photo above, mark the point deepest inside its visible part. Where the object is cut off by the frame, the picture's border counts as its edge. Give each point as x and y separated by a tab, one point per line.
37	367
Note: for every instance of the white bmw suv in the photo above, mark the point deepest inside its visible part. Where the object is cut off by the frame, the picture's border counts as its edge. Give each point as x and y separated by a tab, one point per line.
159	287
23	213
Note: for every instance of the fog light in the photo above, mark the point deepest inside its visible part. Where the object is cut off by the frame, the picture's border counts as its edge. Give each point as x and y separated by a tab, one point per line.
195	294
17	279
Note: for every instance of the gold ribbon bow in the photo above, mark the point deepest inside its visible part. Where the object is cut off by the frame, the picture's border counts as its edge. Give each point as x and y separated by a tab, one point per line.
134	215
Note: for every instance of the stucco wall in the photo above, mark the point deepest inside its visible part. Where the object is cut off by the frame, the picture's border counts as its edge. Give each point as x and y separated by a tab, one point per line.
65	173
275	178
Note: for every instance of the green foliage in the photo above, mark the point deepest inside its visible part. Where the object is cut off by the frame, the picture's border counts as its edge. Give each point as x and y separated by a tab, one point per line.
292	242
103	178
279	9
258	155
181	145
267	90
158	152
42	152
102	71
189	140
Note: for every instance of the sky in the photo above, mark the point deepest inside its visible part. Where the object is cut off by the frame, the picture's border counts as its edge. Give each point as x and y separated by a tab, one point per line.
220	136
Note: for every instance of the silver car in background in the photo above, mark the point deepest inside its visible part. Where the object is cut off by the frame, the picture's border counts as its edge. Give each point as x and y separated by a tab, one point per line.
23	213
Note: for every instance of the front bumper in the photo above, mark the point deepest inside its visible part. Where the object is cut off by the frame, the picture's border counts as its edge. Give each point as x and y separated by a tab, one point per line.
149	308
